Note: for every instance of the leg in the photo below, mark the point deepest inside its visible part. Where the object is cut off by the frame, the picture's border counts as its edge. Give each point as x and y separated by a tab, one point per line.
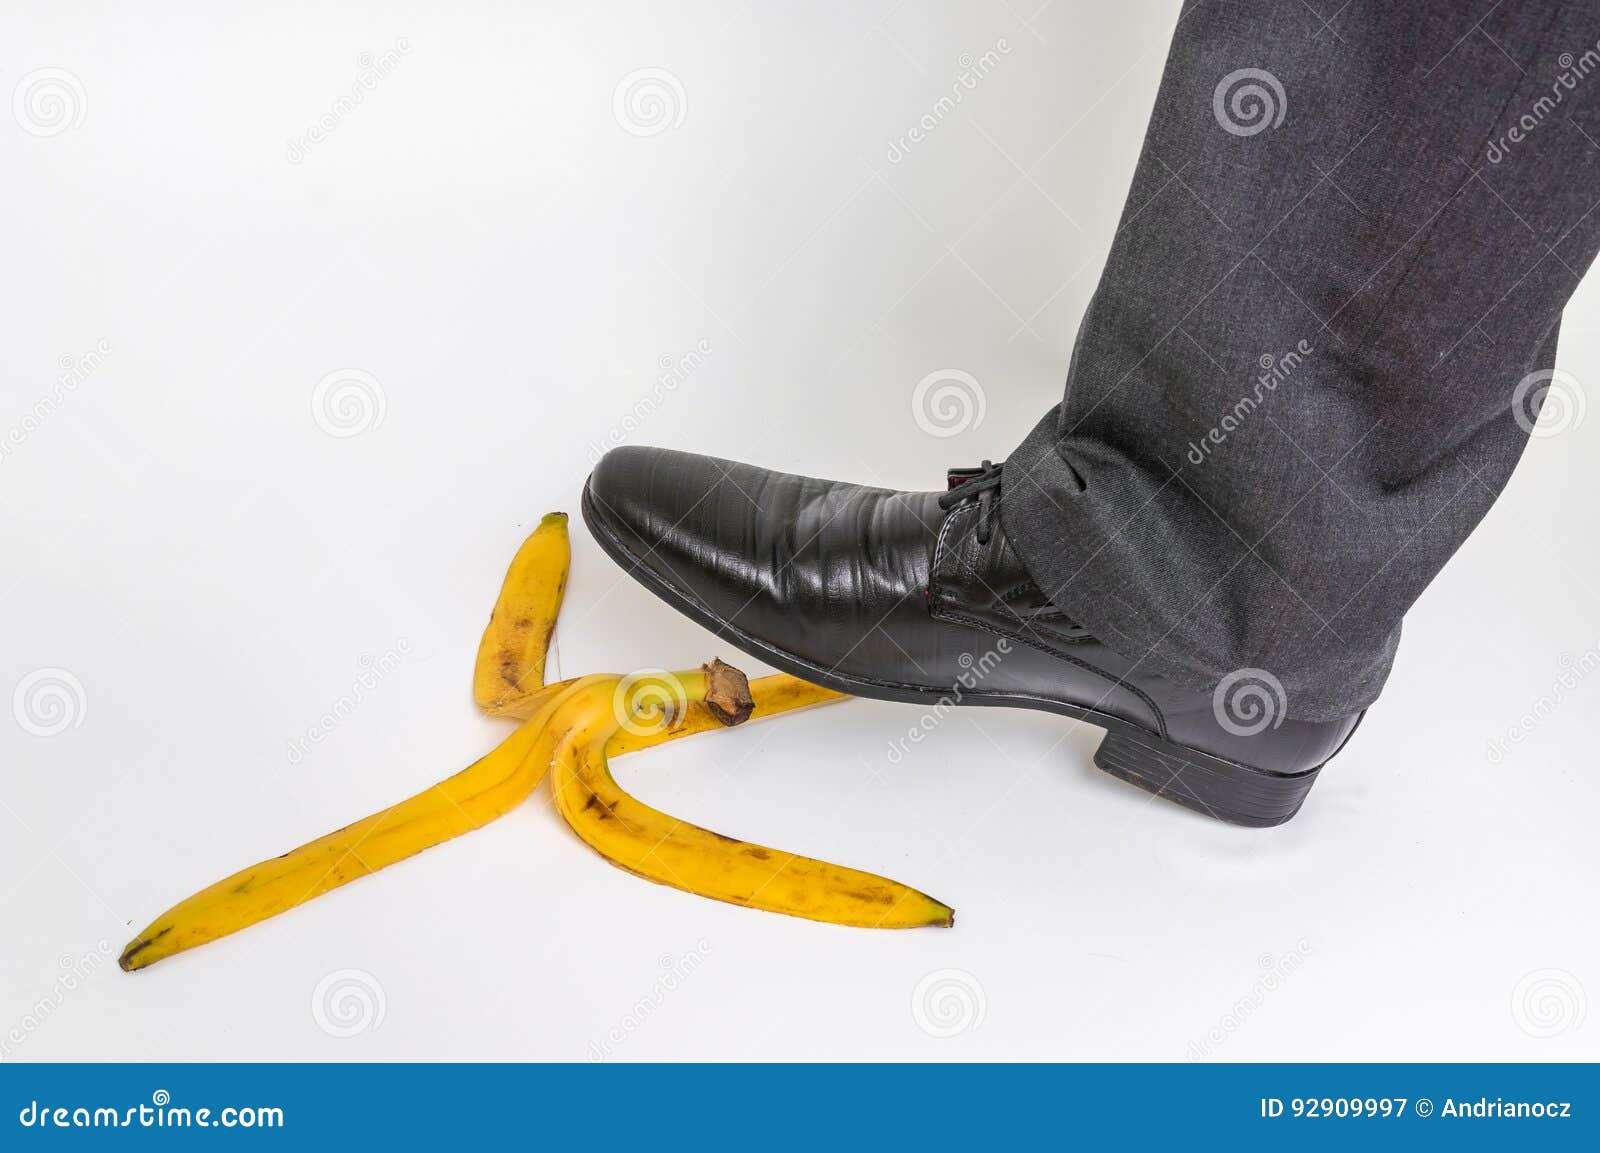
1291	400
1326	326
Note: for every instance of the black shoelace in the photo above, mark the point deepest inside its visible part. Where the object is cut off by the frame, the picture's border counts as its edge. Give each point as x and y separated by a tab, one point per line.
982	485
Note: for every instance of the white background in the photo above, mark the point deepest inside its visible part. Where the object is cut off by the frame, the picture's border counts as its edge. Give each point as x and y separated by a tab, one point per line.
485	238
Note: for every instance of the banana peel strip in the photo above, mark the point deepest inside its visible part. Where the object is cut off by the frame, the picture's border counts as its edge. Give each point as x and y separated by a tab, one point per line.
671	851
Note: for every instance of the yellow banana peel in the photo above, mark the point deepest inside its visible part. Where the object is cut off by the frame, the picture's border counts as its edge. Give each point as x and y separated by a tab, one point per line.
486	789
510	668
649	843
575	725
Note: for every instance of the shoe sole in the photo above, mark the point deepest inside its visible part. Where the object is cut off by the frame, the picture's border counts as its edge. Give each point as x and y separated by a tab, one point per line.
1234	793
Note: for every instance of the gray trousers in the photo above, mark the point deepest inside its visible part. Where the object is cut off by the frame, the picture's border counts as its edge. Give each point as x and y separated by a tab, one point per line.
1324	335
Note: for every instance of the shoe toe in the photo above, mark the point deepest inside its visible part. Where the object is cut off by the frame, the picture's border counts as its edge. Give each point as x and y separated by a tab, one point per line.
641	494
675	518
818	570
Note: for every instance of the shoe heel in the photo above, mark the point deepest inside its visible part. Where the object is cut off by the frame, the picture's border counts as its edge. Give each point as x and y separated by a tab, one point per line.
1206	784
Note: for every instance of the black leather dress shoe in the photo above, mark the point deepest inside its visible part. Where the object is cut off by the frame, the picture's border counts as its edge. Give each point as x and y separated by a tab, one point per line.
916	596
